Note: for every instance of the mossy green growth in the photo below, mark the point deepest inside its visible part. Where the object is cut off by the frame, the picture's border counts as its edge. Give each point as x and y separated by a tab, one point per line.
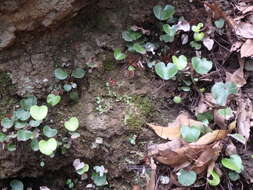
6	87
137	114
109	65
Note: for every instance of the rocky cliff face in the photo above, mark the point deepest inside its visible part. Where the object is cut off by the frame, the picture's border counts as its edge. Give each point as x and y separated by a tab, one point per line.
26	15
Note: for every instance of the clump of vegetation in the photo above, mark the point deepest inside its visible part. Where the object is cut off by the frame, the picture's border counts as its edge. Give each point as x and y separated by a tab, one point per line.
68	82
27	124
191	73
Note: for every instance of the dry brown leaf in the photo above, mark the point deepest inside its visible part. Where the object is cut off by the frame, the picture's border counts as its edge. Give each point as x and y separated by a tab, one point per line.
247	9
136	187
210	155
247	48
232	126
244	29
211	137
173	130
244	116
237	77
235	46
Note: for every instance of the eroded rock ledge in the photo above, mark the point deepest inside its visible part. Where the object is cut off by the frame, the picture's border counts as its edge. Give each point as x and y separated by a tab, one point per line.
26	15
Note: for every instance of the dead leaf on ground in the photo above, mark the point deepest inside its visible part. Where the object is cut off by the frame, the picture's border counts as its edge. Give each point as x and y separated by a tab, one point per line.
206	158
136	187
173	130
237	78
235	46
244	29
247	48
244	115
211	137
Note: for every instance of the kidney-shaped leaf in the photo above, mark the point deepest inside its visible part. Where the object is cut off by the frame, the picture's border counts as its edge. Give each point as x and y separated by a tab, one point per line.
72	124
190	134
221	91
38	112
201	66
166	72
47	147
233	163
164	13
180	62
186	178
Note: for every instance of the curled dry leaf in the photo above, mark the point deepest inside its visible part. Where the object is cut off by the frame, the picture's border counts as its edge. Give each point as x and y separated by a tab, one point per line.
207	157
244	115
244	30
247	48
237	77
235	46
211	137
173	130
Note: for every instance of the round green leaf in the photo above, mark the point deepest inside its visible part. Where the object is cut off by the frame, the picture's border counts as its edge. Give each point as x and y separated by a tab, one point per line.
6	123
130	35
35	145
166	72
83	170
20	124
166	38
38	112
67	87
28	102
170	30
99	180
16	185
233	176
34	123
139	48
60	74
219	23
47	147
24	135
72	124
78	73
233	163
53	99
197	28
226	113
186	178
22	114
177	99
11	147
49	132
118	55
216	179
190	134
180	62
201	66
164	13
220	92
198	36
2	137
195	45
238	137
